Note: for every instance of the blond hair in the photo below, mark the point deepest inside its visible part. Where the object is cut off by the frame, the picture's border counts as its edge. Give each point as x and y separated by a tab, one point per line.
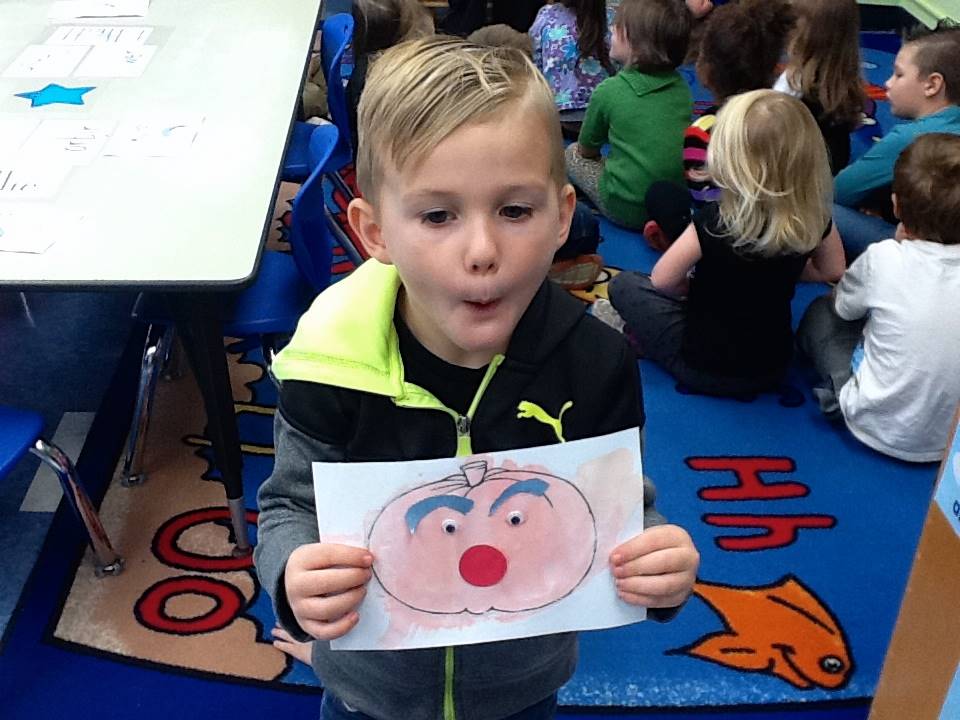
768	157
419	92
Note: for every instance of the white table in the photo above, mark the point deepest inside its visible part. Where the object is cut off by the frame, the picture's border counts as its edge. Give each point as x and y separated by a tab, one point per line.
188	225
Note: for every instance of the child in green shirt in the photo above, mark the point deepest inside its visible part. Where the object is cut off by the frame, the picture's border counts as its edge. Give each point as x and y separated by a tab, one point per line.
642	112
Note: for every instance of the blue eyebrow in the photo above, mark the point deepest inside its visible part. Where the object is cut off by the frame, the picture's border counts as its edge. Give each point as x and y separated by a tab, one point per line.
419	510
533	487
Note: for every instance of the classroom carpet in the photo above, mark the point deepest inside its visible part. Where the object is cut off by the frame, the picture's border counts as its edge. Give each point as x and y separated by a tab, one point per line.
806	539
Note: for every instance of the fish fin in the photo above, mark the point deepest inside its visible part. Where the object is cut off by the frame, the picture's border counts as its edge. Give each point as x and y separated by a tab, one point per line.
730	650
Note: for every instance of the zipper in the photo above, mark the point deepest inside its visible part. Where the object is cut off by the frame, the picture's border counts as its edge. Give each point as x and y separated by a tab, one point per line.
417	397
449	711
464	447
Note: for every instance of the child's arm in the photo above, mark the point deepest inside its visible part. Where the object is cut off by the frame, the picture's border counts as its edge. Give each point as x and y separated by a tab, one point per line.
656	568
827	262
852	295
294	567
873	170
596	123
671	273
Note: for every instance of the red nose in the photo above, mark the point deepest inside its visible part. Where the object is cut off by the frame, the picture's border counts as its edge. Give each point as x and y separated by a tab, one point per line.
483	565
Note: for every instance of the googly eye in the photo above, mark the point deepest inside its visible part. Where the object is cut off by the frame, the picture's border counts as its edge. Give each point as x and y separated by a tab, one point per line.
515	518
449	526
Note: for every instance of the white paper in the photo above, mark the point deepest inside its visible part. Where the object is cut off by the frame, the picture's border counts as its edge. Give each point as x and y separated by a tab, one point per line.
30	181
490	547
29	228
67	141
116	61
14	131
73	9
51	61
99	35
169	138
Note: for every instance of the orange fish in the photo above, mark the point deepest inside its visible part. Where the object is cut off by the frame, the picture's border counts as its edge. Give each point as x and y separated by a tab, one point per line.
781	629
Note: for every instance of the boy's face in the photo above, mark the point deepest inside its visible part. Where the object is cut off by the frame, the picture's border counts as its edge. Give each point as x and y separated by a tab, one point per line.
905	88
472	231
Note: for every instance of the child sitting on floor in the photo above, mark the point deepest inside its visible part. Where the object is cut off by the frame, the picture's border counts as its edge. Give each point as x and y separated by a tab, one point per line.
465	202
886	342
727	329
824	71
739	51
925	89
571	47
641	111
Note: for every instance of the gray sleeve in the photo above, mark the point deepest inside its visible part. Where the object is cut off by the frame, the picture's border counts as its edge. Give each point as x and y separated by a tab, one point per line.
288	516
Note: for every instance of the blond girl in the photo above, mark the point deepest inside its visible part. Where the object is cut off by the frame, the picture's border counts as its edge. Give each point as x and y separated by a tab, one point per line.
715	311
823	70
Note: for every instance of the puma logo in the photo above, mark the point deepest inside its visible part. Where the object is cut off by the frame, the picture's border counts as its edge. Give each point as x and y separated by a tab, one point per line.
528	409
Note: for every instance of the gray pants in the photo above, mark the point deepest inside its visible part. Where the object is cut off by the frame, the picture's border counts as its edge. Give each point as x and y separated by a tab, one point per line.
657	322
585	174
829	341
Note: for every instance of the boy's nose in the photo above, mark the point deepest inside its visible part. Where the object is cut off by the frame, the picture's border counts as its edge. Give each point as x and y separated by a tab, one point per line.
482	253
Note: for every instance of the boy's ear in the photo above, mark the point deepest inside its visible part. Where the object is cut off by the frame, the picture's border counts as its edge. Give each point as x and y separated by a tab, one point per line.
363	219
933	85
568	202
896	205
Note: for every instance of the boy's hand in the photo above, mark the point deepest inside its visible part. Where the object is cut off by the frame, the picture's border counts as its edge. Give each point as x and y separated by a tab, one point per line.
656	568
325	583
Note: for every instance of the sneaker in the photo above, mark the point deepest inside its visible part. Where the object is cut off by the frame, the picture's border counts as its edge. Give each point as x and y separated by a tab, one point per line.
604	311
579	273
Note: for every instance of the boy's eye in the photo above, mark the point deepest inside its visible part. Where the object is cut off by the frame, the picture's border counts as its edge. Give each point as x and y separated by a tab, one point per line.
515	212
436	217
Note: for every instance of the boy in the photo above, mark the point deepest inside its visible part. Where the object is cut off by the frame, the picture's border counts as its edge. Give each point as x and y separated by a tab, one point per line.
426	350
925	89
888	354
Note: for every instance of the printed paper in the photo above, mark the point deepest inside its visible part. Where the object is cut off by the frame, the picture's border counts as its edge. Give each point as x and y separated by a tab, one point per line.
30	181
67	141
116	61
99	35
153	139
50	61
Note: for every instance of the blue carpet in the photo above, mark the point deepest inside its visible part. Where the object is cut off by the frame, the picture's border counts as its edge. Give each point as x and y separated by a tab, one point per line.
806	539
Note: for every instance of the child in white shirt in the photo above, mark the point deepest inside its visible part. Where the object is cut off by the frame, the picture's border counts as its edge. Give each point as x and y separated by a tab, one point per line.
887	340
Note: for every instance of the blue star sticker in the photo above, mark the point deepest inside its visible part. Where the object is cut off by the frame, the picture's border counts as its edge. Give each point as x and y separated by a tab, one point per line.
53	93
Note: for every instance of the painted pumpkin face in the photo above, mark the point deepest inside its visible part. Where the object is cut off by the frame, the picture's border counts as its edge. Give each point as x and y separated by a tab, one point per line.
477	541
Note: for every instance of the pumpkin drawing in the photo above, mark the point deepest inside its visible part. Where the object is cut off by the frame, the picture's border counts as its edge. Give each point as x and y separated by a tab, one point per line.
482	540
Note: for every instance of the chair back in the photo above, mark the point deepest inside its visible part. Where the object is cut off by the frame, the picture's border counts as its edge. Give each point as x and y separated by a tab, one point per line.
310	238
336	34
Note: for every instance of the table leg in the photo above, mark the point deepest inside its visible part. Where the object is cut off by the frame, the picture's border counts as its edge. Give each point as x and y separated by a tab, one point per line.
201	332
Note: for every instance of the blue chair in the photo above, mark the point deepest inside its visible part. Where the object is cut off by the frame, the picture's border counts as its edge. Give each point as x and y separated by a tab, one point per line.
285	285
20	431
336	34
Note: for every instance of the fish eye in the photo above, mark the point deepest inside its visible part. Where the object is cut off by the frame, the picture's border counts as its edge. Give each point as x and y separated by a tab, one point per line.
831	664
449	526
515	518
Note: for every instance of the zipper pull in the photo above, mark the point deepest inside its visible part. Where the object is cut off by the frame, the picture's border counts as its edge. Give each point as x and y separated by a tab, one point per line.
464	447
